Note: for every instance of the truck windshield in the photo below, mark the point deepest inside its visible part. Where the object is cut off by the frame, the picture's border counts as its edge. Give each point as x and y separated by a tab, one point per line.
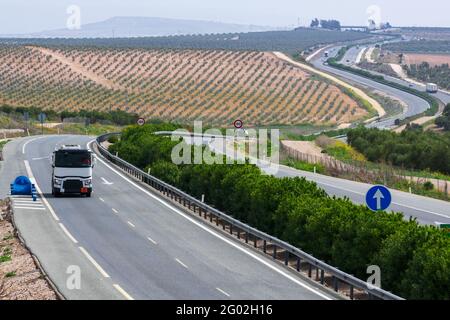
72	159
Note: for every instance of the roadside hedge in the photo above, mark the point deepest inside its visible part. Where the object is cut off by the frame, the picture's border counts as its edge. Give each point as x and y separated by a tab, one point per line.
411	149
414	260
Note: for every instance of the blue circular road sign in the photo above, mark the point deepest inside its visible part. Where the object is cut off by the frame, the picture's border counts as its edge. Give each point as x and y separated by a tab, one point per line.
378	198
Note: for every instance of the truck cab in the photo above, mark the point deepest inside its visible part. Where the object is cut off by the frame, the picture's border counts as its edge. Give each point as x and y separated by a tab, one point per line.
432	88
72	171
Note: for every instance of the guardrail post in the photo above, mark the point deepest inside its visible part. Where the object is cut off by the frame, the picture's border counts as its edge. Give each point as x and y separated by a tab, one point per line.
336	284
255	237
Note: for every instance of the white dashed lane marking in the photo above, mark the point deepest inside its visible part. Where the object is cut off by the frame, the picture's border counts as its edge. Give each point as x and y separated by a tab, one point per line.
223	292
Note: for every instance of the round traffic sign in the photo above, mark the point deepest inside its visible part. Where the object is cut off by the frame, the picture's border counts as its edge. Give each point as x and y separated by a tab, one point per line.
238	124
141	121
378	198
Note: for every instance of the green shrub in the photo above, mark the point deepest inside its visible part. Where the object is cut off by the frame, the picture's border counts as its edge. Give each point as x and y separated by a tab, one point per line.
166	171
411	149
414	259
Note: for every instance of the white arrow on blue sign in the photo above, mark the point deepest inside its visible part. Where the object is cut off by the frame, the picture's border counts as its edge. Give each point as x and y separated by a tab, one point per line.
378	198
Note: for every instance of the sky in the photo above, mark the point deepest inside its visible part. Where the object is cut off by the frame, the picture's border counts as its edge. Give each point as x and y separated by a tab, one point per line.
26	16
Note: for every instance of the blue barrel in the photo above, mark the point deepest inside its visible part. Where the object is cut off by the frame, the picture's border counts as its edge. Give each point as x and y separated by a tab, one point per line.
21	186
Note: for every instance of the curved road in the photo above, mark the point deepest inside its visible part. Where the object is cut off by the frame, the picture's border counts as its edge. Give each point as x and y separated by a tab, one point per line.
130	244
427	211
415	104
352	54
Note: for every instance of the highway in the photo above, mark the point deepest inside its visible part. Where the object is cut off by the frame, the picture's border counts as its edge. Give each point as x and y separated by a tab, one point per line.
416	105
130	244
427	211
350	58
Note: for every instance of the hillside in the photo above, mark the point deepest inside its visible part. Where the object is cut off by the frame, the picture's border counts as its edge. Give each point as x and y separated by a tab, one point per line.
182	85
145	27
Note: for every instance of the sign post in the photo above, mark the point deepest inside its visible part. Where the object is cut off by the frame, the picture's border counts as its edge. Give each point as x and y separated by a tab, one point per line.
378	198
26	117
41	118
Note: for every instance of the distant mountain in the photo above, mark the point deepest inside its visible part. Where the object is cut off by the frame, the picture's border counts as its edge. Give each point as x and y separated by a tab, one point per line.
123	27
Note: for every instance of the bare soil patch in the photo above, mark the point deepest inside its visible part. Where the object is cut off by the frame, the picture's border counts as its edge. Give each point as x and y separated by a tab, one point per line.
20	278
432	59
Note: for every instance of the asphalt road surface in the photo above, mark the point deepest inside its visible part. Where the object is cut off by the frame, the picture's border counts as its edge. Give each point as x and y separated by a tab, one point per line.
427	211
130	244
416	105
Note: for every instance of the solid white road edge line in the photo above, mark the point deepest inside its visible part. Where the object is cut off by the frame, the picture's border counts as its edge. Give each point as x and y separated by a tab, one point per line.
68	234
96	265
47	204
205	228
123	292
27	142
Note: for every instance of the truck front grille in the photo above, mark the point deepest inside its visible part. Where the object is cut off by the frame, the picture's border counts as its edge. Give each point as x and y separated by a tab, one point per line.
72	185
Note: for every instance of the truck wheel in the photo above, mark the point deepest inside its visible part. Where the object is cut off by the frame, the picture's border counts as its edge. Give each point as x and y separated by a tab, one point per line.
88	195
55	193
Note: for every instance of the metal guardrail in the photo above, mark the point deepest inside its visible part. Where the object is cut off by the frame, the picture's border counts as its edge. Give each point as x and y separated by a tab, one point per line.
279	250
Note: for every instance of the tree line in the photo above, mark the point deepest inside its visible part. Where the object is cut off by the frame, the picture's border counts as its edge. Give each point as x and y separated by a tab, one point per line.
414	148
117	117
326	24
415	260
444	120
291	41
439	74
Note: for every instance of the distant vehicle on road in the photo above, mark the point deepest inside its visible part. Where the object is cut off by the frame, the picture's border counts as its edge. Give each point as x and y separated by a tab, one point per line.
432	88
72	171
326	54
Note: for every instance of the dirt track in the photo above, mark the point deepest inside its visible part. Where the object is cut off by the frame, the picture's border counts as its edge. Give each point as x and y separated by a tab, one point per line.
359	92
